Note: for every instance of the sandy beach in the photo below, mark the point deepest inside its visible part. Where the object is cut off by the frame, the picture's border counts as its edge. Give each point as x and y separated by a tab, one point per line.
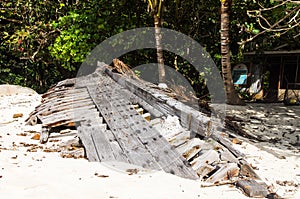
28	171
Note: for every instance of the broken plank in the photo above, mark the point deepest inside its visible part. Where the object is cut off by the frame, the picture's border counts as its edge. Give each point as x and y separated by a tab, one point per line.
252	188
59	102
64	98
66	106
101	143
247	170
137	100
68	118
147	116
179	139
203	164
72	112
227	172
227	156
71	116
217	136
88	144
190	148
62	92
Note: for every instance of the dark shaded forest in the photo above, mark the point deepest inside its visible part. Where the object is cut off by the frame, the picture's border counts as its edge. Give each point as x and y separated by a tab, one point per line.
42	42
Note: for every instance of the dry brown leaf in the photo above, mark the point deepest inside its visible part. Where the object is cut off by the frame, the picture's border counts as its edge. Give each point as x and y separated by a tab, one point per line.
236	141
22	134
101	176
132	171
36	136
16	115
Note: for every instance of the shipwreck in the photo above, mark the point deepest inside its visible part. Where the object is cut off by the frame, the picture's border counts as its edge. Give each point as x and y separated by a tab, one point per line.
119	117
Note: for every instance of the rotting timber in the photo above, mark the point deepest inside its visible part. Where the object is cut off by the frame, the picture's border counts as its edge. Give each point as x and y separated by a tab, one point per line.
119	118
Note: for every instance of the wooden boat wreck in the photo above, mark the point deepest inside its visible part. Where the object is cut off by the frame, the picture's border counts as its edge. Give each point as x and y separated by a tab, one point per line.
121	118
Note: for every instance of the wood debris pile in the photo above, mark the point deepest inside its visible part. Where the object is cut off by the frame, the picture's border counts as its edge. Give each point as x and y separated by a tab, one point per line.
120	118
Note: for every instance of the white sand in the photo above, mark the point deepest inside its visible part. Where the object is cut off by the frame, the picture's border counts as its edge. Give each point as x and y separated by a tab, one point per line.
46	175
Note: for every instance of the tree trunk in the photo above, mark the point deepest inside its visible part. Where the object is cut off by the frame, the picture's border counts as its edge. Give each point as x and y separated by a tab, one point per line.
160	58
231	95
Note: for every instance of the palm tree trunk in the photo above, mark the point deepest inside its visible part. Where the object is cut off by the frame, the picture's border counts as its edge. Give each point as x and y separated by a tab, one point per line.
160	58
231	95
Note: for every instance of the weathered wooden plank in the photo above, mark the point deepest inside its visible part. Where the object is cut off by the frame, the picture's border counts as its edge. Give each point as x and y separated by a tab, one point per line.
52	122
147	116
166	105
141	91
208	157
159	124
93	121
89	80
100	142
198	124
138	126
72	110
179	139
253	188
65	98
117	150
131	145
69	114
217	136
65	106
54	90
171	161
88	144
227	156
62	91
59	102
190	148
246	170
227	172
202	164
85	118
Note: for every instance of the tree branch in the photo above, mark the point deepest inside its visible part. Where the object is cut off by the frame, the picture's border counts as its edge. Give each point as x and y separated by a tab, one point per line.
275	27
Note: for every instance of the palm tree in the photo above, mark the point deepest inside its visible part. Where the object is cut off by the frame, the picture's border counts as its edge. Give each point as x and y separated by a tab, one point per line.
156	10
231	95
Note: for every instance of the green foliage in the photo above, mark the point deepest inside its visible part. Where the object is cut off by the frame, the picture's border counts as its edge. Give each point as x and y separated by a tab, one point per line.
42	42
74	42
266	80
